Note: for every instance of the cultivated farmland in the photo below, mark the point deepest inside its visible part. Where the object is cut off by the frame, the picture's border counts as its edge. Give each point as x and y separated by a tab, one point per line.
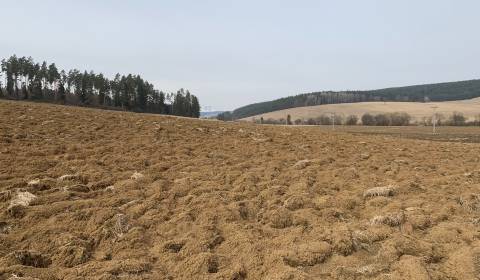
92	194
470	108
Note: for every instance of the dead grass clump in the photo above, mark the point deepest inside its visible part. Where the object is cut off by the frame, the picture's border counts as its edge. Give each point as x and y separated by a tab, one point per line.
213	239
302	164
308	254
30	258
379	191
343	243
15	277
364	239
212	264
121	225
239	273
181	187
73	251
470	202
174	246
295	202
68	177
72	255
5	195
23	198
4	228
37	185
101	185
16	211
394	219
280	218
33	182
137	175
77	188
130	267
18	204
420	221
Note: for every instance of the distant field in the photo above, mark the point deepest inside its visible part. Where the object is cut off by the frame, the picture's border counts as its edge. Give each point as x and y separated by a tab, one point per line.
464	134
470	108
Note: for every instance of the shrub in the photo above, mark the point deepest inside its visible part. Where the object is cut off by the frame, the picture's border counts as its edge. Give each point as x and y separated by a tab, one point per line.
339	119
477	120
324	120
399	119
368	119
298	121
457	119
351	120
289	120
382	119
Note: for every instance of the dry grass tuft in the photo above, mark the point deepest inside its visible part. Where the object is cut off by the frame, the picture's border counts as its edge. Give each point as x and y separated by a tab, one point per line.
394	219
22	199
302	164
33	182
68	177
137	175
121	225
470	202
379	191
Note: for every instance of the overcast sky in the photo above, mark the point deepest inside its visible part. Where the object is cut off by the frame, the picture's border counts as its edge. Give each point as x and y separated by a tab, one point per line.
232	53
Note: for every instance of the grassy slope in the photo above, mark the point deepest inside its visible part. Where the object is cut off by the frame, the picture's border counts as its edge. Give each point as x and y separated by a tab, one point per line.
450	91
469	108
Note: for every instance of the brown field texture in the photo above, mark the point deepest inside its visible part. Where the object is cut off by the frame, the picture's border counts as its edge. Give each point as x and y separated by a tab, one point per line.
470	108
92	194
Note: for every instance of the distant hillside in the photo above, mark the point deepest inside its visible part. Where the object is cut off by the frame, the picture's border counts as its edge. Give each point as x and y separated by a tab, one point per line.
419	93
210	114
417	110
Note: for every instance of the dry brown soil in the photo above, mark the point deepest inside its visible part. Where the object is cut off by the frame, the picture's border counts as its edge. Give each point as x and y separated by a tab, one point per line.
91	194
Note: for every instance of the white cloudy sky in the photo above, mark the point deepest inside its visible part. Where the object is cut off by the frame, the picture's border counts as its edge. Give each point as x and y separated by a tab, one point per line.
232	53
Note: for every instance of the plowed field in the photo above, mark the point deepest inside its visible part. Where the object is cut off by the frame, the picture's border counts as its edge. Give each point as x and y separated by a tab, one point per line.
92	194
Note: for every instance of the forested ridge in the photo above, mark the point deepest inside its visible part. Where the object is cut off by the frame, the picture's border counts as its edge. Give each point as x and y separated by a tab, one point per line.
24	79
417	93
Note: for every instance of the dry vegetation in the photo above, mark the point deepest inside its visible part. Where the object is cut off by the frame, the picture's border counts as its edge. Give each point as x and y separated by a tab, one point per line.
91	194
419	111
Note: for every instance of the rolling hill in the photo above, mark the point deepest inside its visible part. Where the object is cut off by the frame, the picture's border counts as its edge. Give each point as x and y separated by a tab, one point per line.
450	91
210	114
470	108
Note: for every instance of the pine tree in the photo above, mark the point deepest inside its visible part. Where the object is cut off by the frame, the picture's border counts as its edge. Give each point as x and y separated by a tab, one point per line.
100	86
195	107
44	78
115	85
141	94
188	104
61	93
53	76
178	106
131	92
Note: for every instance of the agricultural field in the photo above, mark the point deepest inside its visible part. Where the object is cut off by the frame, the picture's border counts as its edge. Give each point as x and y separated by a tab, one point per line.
93	194
417	110
466	134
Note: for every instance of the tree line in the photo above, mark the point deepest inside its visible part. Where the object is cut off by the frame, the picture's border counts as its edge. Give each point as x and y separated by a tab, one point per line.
419	93
380	119
24	79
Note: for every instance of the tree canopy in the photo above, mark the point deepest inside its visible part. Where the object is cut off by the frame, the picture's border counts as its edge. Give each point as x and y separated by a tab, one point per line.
23	78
